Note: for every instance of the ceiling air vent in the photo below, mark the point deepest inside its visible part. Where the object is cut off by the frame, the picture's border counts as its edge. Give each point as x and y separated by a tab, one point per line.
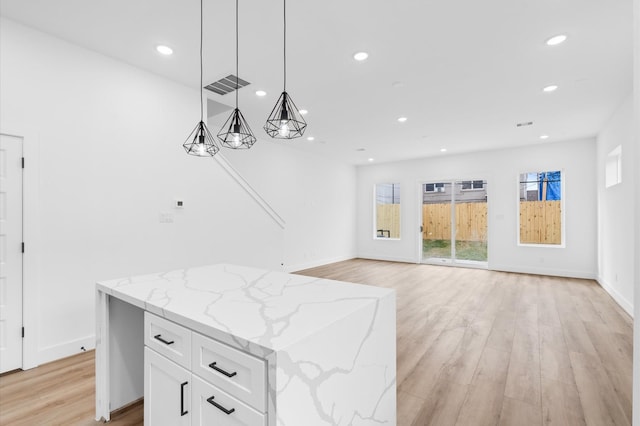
524	124
226	85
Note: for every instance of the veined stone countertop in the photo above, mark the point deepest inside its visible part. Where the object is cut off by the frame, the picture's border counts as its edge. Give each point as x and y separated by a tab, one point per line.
329	345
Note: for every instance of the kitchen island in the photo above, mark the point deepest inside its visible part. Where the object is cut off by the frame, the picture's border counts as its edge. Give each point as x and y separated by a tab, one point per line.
227	344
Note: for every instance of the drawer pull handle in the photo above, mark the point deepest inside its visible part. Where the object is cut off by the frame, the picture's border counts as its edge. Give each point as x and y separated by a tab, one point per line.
220	407
159	337
220	370
182	410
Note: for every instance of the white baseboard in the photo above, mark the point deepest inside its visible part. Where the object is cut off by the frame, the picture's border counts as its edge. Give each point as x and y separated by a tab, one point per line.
543	271
316	263
620	300
63	350
386	258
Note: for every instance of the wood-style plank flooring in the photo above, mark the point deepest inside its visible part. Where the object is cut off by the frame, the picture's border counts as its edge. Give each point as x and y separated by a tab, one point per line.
474	348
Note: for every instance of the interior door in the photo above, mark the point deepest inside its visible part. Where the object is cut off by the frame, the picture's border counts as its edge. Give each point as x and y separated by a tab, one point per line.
454	222
10	253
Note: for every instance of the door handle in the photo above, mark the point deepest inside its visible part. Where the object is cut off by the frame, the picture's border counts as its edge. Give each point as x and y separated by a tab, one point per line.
182	410
220	370
220	407
159	337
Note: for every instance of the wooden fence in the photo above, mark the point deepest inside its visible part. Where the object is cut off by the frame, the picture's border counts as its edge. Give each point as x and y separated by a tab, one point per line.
540	222
388	219
471	221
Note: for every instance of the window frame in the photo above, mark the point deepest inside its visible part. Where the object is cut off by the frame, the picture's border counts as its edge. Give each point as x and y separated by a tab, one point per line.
563	201
436	185
473	188
375	213
613	168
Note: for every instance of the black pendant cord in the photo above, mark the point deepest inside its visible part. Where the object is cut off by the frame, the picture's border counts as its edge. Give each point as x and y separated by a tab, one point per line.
200	87
285	44
237	42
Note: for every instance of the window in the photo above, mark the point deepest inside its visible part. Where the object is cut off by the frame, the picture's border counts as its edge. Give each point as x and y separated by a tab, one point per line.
613	168
434	187
472	185
387	211
541	208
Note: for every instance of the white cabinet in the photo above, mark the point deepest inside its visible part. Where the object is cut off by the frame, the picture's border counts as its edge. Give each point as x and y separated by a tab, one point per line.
167	391
191	379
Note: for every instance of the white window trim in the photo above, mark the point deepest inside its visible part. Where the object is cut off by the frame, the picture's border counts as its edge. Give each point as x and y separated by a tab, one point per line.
563	224
375	219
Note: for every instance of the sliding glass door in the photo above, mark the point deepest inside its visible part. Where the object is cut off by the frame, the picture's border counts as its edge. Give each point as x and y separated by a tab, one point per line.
454	222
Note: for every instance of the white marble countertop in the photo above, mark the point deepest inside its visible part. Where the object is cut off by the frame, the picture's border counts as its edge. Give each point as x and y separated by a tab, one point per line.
262	311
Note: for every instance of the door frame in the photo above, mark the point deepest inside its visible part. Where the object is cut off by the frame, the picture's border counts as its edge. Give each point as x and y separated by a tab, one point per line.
452	261
30	236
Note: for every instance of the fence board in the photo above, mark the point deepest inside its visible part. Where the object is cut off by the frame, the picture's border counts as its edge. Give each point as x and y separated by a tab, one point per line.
471	221
388	219
540	222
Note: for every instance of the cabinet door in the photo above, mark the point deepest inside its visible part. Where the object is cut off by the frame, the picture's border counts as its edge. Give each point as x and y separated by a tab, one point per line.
167	391
212	406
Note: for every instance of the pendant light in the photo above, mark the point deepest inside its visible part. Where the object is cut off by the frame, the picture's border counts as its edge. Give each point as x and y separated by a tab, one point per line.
285	121
200	142
235	132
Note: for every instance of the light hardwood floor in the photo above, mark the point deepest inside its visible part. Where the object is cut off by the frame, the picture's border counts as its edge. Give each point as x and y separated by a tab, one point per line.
474	348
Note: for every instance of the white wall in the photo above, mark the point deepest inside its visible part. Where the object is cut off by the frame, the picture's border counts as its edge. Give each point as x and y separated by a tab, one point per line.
314	196
616	216
103	144
636	125
501	169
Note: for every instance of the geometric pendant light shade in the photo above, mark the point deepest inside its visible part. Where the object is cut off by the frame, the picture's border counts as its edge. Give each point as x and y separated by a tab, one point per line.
285	121
235	132
200	142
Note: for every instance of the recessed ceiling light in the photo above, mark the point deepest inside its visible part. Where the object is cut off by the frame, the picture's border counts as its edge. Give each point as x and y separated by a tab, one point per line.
360	56
402	119
443	149
370	160
544	136
555	40
310	138
551	88
261	93
165	50
303	111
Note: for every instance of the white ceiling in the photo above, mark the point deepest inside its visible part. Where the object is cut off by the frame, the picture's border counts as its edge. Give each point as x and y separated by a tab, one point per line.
464	72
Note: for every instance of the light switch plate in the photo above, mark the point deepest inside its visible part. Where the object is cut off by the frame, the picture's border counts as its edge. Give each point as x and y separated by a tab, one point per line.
166	217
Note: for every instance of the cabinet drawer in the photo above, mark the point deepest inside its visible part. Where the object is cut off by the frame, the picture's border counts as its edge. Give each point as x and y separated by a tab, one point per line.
235	372
212	406
168	339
